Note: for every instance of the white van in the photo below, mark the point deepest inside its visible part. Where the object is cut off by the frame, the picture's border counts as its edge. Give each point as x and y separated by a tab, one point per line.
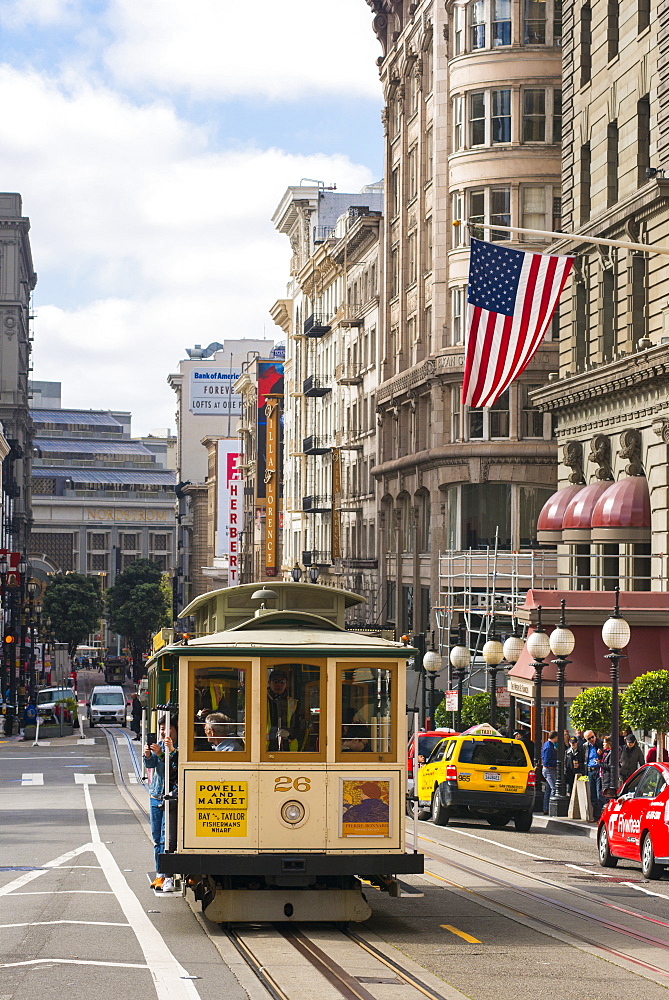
107	704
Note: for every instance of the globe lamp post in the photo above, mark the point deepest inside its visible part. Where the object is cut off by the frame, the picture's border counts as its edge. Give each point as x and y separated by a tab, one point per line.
513	647
562	644
493	654
538	647
616	635
432	666
460	659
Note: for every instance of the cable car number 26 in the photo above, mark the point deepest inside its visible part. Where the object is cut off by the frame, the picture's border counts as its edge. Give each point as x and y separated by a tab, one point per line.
284	784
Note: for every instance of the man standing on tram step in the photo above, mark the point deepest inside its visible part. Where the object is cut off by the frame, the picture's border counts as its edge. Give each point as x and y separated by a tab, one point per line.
136	710
157	756
285	726
549	767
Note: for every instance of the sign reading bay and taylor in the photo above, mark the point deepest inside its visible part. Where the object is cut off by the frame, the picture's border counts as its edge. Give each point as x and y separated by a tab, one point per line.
210	392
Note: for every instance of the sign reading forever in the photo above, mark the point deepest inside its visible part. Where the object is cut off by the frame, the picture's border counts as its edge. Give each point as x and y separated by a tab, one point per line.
222	808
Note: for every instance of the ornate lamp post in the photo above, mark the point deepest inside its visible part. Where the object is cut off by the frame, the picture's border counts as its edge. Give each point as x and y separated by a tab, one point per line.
562	644
493	654
296	573
460	659
538	647
432	666
513	647
33	590
314	573
616	635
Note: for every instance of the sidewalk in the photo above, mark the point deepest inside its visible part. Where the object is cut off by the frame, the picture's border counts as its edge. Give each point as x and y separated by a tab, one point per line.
560	824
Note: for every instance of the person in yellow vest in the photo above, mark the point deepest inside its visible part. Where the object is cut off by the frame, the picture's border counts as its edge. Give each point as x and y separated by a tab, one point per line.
285	720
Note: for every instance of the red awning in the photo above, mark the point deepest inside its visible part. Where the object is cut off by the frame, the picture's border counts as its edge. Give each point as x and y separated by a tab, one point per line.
622	513
550	520
576	526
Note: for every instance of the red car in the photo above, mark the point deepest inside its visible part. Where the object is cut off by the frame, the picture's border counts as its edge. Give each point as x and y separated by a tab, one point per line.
635	824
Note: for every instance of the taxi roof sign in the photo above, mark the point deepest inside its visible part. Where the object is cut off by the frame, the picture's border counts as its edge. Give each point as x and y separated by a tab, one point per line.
482	729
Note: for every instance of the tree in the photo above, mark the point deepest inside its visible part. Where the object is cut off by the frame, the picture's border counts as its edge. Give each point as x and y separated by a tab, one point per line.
475	710
74	605
647	704
591	709
137	605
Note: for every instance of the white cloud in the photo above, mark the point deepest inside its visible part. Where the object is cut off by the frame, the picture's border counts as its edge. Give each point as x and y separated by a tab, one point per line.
227	48
157	240
20	13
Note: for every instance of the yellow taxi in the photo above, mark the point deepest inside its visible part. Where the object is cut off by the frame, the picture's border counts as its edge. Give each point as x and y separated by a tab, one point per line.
478	773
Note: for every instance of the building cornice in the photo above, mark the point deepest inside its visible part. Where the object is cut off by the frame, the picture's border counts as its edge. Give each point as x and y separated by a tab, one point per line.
628	373
511	452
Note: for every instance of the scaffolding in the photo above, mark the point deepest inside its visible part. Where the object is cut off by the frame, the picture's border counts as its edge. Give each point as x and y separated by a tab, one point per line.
477	584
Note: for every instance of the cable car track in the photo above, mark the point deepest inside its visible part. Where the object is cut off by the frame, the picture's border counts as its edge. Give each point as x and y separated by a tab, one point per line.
545	900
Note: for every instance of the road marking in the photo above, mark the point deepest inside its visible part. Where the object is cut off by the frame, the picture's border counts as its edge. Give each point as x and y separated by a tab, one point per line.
48	923
32	779
486	840
462	934
85	779
72	961
166	971
60	892
132	777
22	880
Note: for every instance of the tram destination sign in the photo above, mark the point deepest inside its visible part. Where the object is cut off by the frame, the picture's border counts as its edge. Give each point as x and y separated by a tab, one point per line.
211	392
222	808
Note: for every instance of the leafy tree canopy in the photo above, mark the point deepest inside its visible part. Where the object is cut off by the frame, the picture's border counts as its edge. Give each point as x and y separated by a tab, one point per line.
137	605
591	709
74	605
647	701
475	710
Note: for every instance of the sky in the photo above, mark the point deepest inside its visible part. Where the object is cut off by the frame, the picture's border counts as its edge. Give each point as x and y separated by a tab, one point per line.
151	141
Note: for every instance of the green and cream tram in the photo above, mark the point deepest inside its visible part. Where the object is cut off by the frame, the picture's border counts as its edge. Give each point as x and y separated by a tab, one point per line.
292	756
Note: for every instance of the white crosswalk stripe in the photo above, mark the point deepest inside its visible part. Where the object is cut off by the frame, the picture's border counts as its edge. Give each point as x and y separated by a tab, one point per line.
132	778
85	779
32	779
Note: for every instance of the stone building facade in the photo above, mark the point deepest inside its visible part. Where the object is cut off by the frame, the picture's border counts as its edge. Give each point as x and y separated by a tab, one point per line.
17	280
472	123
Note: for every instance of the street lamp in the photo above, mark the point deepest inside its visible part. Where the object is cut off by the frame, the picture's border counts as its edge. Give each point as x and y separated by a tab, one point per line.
493	654
562	644
616	635
432	666
314	573
513	647
538	647
296	573
460	659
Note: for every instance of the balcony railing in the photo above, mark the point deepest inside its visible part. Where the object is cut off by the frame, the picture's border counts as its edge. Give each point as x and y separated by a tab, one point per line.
316	557
322	233
316	325
348	374
317	504
316	385
313	445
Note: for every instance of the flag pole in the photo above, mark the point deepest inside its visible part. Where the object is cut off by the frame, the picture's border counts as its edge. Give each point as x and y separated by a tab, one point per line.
573	237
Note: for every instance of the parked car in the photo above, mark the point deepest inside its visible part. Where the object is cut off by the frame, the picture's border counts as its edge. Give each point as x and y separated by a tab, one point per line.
635	824
47	700
478	773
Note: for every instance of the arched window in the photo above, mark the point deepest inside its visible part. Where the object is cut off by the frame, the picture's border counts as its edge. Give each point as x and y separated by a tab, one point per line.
422	499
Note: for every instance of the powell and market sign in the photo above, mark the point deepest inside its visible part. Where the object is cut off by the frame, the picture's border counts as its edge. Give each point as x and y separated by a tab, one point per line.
211	391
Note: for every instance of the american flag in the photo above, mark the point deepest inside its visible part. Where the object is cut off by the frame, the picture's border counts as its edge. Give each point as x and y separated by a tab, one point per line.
511	300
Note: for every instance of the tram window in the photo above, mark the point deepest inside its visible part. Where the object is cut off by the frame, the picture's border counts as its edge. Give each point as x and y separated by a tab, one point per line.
292	721
219	699
366	723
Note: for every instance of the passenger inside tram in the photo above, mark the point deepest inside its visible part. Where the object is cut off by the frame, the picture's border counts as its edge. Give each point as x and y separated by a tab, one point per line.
220	733
286	726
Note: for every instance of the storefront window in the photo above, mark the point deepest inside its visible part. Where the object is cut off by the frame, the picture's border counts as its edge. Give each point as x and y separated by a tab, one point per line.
486	510
366	711
219	700
532	499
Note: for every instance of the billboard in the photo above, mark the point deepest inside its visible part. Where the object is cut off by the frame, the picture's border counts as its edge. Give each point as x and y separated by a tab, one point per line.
270	383
210	392
230	507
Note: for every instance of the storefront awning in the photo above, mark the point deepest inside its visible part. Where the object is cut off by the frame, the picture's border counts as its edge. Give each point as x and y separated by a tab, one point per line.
622	513
577	523
551	517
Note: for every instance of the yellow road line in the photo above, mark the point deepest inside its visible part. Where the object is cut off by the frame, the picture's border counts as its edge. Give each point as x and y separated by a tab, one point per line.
465	937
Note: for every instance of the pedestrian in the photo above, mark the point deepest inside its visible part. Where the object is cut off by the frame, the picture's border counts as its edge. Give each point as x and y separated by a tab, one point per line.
651	756
526	741
606	768
156	756
549	766
574	763
580	736
631	757
136	710
594	765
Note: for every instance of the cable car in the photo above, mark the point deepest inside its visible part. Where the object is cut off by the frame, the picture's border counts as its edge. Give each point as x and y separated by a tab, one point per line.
292	756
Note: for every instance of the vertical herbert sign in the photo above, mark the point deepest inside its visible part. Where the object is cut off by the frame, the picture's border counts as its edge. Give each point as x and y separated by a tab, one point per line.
230	513
272	408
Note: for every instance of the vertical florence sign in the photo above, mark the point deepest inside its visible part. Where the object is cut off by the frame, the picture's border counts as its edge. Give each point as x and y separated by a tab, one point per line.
230	513
272	410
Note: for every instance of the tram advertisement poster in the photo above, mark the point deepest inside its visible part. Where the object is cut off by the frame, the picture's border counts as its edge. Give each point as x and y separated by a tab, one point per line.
365	808
222	808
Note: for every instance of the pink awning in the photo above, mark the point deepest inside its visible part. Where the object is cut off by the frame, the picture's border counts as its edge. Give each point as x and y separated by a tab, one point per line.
577	523
622	513
551	518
